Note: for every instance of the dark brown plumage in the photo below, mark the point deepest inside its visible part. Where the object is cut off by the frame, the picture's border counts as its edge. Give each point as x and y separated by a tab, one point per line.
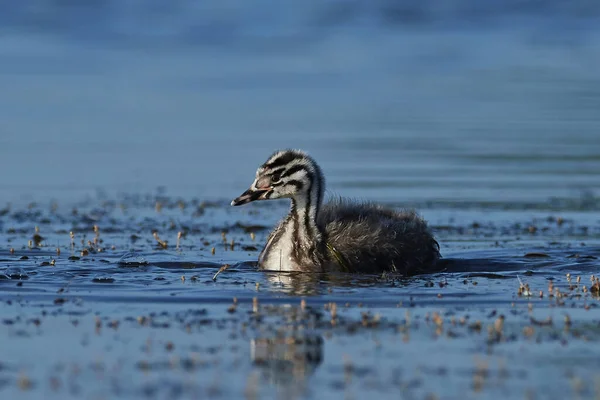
373	238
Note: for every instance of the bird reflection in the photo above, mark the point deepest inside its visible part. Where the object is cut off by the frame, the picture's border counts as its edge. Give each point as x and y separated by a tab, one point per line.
311	284
287	361
297	283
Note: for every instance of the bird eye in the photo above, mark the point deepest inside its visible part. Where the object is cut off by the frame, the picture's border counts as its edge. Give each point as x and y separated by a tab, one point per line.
276	177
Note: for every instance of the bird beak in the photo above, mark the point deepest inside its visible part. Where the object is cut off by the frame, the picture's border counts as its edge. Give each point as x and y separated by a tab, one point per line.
251	194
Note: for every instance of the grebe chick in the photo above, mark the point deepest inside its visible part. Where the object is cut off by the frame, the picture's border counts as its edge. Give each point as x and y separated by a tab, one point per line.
338	236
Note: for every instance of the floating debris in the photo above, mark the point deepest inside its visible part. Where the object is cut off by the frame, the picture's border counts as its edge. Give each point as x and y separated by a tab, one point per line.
223	268
163	244
179	235
524	289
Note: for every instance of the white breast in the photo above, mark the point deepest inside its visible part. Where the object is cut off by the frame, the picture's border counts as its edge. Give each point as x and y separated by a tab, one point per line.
277	255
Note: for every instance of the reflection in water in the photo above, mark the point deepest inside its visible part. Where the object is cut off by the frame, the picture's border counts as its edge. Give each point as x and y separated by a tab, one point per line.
296	283
313	284
288	361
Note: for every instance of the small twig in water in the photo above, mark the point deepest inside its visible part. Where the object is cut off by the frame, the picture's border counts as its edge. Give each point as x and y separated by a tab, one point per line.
179	234
524	289
161	243
223	268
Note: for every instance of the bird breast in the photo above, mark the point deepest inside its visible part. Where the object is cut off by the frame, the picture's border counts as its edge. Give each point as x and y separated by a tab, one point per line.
277	254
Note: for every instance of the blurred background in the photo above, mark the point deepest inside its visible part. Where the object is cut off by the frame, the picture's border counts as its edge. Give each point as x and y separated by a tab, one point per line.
400	101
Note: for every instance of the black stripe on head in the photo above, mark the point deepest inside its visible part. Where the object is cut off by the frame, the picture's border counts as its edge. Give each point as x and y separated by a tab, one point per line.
293	170
285	158
299	185
274	171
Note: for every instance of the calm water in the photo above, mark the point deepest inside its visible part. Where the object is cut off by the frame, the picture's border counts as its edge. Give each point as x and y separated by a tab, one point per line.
484	116
454	103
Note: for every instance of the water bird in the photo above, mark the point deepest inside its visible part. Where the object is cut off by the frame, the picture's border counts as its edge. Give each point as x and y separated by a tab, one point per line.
339	236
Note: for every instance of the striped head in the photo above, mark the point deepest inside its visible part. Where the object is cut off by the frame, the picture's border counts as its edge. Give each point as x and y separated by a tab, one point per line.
286	174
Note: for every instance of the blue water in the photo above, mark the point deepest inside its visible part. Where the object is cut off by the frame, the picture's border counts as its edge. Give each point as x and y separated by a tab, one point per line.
458	101
484	115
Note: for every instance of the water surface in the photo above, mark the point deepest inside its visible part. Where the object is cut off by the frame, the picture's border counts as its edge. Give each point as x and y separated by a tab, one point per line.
137	117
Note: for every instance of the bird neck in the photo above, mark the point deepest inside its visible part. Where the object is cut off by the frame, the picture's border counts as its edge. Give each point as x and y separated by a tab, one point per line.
307	236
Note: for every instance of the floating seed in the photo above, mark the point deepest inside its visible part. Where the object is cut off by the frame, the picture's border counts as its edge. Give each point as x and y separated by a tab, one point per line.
255	304
179	234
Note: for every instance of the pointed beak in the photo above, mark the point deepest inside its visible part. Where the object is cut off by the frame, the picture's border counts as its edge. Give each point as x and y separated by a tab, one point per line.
251	195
